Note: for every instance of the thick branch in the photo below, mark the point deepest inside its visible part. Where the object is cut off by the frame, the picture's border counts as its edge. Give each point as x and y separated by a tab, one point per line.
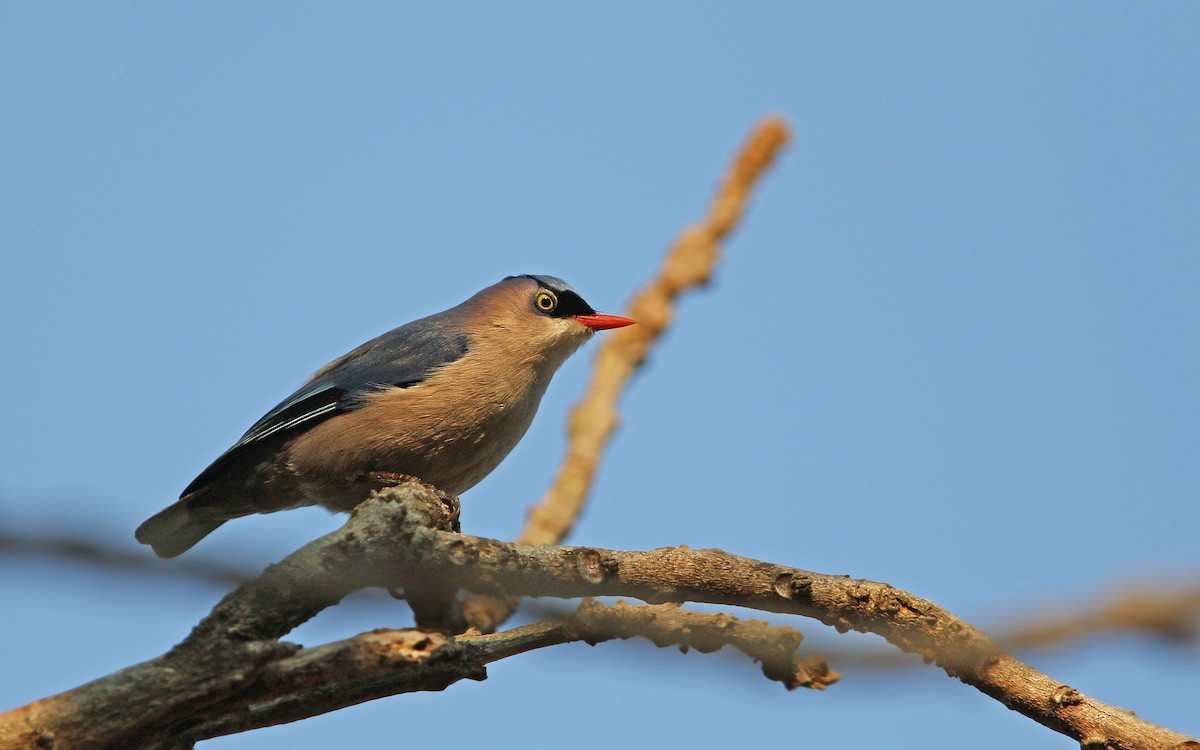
223	652
388	539
1167	613
680	574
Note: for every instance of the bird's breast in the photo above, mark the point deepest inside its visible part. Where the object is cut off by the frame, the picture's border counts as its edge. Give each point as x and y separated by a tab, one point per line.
450	431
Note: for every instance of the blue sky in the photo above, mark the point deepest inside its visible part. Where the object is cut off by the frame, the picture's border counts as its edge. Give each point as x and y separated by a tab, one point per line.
953	347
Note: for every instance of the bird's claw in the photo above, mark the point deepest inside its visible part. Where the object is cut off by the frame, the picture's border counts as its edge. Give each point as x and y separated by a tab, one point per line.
449	502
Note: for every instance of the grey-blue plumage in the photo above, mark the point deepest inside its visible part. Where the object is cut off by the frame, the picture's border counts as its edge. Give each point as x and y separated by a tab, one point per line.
443	398
400	358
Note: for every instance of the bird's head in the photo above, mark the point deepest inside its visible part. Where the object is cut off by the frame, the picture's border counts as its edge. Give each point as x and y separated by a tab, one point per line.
542	313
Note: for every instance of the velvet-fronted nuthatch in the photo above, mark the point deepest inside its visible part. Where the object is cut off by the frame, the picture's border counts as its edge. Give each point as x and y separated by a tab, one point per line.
443	399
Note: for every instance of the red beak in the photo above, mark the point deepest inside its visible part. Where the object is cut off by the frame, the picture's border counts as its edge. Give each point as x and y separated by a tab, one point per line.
602	322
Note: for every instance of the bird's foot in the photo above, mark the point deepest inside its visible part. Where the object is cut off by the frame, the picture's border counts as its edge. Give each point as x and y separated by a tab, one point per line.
395	479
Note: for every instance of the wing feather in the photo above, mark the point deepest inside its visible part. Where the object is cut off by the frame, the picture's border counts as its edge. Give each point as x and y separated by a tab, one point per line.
400	358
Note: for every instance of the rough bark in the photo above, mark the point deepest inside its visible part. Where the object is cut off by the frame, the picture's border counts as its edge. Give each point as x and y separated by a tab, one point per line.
231	673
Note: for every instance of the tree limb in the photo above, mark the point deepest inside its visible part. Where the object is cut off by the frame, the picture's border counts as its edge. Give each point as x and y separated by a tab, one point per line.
390	662
400	535
80	549
1167	613
688	264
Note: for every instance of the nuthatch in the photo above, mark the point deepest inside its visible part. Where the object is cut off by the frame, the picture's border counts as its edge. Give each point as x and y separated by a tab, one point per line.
443	399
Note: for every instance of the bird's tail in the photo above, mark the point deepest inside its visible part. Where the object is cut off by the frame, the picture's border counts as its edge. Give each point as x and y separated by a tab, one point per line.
175	529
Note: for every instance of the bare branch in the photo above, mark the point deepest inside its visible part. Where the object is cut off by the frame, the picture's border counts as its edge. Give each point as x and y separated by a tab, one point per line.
776	647
391	662
315	681
1170	613
1150	609
689	263
397	535
82	550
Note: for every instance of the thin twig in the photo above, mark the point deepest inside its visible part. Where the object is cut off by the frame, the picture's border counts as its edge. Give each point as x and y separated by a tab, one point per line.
79	549
1169	614
689	263
776	647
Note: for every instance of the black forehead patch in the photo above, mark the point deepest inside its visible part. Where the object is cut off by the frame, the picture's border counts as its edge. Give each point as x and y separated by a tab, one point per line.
569	301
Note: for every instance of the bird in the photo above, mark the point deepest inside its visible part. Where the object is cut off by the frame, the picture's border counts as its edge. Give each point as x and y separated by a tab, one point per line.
442	399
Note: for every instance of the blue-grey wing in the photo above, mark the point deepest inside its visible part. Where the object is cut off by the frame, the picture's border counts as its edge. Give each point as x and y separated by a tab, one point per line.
401	358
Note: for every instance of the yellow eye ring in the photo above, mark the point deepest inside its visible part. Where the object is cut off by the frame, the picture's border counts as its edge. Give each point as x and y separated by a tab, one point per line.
545	301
